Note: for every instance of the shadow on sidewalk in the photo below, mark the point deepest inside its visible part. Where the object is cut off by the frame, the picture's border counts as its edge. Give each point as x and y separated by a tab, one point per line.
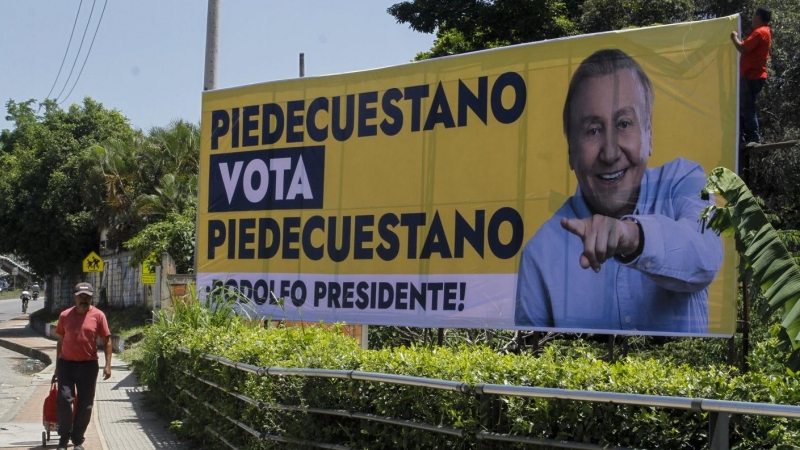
18	327
127	397
29	445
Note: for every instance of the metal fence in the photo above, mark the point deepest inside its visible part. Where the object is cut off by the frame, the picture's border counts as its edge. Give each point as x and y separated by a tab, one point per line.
719	411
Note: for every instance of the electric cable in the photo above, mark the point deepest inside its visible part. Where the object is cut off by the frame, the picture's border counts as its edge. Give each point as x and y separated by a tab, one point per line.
105	3
66	52
94	2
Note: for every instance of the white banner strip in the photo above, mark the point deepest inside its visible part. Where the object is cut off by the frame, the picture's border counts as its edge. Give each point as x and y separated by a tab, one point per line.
436	301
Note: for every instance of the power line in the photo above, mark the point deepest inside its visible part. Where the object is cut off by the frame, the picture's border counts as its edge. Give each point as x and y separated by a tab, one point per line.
87	52
79	51
74	23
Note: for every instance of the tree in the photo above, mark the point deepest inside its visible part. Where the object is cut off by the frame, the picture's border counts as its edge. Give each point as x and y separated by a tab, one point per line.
43	216
174	154
174	235
150	193
113	169
766	260
607	15
69	174
469	25
775	176
177	148
145	178
173	195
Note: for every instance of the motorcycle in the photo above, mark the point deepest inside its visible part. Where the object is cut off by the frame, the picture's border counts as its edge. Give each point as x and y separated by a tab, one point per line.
35	295
26	296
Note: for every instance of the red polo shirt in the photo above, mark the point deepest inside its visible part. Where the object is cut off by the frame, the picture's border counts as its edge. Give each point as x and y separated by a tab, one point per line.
80	332
753	64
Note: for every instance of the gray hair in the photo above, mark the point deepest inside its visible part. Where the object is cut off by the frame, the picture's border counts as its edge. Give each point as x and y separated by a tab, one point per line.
607	62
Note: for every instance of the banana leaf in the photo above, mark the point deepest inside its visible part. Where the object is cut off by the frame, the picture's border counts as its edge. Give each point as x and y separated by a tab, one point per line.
761	249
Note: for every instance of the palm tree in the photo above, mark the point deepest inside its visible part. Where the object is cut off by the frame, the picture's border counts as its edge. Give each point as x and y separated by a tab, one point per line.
172	196
177	149
116	166
144	178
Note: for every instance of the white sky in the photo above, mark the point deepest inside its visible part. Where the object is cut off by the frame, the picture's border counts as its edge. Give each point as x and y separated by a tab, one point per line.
148	58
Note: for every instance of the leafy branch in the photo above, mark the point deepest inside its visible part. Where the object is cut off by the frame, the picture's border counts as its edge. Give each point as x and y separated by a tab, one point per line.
763	252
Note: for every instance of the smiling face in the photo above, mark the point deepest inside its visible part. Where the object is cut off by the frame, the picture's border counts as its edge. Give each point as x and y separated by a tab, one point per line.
610	141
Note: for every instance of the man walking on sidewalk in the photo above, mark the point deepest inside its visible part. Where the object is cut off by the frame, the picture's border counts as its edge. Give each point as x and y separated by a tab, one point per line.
753	71
77	364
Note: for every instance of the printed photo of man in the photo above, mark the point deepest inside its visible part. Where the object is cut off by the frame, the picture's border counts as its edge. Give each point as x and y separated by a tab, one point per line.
626	251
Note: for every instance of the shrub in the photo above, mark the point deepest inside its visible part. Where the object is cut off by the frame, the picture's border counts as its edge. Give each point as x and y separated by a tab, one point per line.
217	330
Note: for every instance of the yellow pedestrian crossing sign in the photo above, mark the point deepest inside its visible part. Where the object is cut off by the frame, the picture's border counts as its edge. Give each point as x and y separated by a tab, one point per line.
148	276
93	263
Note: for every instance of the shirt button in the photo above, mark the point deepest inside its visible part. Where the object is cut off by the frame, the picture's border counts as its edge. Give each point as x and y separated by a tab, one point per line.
627	319
648	264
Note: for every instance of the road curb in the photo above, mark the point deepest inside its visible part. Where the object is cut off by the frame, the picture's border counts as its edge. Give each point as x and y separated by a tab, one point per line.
99	429
27	351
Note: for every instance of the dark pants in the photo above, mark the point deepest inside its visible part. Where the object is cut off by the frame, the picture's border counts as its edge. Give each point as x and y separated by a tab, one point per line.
748	93
72	375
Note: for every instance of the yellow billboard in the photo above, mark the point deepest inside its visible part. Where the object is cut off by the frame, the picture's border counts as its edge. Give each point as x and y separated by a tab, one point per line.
552	185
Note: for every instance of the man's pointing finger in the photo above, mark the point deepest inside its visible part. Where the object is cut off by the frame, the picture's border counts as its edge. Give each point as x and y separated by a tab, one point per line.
574	226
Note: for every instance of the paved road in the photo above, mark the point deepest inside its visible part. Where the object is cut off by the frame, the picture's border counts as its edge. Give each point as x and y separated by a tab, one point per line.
18	385
16	374
10	309
16	390
119	420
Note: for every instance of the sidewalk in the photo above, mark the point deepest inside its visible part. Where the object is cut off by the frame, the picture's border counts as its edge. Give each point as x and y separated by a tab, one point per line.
119	420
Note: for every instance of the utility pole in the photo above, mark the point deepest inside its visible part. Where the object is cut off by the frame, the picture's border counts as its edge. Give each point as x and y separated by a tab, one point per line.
302	64
209	83
212	45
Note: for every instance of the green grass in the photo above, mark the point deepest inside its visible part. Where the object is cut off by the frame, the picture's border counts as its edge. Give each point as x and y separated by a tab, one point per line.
128	321
8	295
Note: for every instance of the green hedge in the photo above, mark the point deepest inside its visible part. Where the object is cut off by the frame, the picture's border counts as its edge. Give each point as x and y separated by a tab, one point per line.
162	366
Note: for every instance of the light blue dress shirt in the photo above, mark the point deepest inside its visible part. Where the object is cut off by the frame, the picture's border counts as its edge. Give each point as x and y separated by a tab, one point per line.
664	290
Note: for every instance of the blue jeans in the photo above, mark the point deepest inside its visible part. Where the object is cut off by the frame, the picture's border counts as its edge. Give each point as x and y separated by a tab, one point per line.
748	93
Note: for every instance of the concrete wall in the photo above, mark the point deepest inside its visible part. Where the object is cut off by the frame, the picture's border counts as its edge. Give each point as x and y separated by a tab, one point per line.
118	286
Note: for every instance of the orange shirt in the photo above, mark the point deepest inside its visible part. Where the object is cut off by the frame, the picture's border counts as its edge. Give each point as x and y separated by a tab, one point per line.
753	64
80	332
